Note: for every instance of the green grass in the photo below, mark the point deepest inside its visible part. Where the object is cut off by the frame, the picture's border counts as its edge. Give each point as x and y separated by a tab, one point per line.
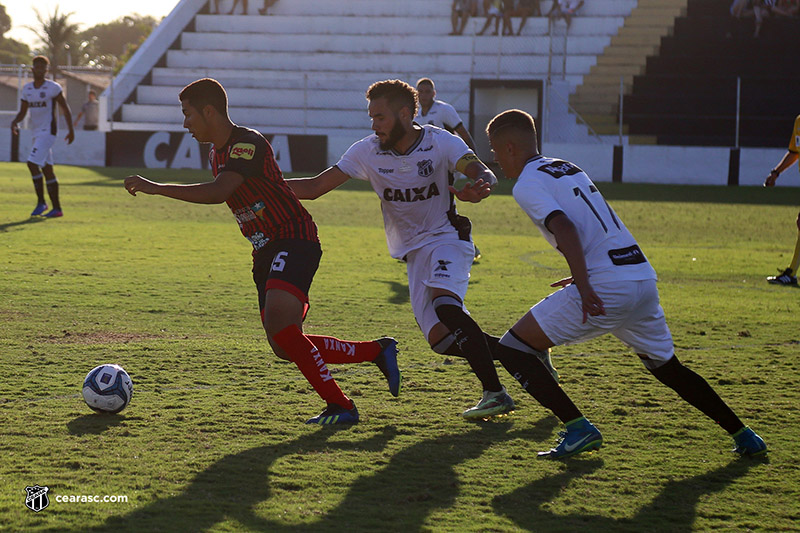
214	439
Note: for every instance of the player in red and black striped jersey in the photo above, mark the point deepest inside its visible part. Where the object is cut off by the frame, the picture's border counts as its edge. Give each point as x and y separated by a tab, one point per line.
286	249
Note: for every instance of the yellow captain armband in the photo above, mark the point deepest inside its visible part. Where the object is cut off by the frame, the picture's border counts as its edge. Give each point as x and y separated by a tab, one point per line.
466	159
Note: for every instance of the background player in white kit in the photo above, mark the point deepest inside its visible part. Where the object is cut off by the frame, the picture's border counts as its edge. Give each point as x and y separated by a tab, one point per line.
442	115
409	167
612	289
41	96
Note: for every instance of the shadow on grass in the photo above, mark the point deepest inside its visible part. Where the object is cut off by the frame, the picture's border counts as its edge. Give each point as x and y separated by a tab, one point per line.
24	222
93	424
400	496
674	509
400	293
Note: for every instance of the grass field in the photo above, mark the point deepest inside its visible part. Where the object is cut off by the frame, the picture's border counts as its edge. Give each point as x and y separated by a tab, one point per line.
214	438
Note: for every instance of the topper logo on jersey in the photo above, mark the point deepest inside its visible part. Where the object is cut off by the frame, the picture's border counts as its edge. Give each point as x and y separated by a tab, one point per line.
425	168
414	194
386	170
245	151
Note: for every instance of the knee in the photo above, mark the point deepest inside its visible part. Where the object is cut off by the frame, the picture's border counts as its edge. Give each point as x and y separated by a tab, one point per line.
277	350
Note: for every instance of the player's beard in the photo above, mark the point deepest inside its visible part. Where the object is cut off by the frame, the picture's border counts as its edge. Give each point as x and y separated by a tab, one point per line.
395	134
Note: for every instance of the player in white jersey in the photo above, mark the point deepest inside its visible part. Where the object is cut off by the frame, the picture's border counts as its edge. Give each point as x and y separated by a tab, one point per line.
409	167
441	114
612	289
41	96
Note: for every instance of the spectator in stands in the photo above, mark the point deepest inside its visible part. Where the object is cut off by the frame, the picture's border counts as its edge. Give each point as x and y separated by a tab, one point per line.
789	275
565	9
462	10
90	113
787	8
267	4
524	9
494	10
752	8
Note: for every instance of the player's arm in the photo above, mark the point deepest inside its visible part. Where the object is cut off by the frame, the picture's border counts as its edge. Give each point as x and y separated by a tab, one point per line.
788	160
68	115
212	192
464	134
23	109
569	243
313	188
481	179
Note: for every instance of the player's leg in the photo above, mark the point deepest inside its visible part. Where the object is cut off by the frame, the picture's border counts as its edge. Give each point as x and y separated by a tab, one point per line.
51	182
649	336
438	276
38	186
383	352
283	273
36	160
522	350
789	275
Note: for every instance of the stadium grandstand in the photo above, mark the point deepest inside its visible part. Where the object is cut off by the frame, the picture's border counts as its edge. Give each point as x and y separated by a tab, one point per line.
299	76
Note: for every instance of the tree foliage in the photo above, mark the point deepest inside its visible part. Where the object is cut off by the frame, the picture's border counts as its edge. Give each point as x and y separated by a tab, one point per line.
112	43
59	36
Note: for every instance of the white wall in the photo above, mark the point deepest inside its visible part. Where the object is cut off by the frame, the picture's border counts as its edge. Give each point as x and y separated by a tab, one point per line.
674	164
88	148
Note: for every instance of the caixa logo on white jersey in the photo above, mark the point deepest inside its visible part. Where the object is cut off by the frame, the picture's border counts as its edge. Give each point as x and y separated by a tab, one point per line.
36	498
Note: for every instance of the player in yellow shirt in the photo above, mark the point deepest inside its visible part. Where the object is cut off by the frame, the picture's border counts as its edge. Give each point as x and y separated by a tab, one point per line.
789	275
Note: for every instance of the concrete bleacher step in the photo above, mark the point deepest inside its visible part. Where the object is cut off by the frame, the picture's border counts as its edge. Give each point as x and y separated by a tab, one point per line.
379	27
395	44
625	57
333	61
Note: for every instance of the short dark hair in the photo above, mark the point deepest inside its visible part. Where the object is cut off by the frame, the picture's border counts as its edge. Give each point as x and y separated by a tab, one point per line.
426	81
40	59
203	92
398	93
512	119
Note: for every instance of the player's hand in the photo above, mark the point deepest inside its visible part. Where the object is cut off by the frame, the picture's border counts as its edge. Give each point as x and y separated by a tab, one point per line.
562	282
14	128
134	184
770	181
591	304
70	137
473	191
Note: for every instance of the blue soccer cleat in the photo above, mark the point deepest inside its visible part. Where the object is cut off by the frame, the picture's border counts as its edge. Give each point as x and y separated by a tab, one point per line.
749	443
336	414
387	363
580	436
38	210
491	404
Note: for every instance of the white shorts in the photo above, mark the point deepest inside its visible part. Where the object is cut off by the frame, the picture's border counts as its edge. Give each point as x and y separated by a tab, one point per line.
42	149
439	265
633	315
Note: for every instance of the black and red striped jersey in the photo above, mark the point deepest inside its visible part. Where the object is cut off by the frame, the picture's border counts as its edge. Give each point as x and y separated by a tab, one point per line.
264	205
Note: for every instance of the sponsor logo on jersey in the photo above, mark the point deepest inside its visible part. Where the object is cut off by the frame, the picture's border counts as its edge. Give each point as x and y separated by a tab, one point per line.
37	104
414	194
425	168
258	209
258	240
245	151
386	170
426	149
558	169
42	94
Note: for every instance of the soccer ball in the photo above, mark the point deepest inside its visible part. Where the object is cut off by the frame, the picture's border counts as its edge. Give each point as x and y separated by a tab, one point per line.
107	389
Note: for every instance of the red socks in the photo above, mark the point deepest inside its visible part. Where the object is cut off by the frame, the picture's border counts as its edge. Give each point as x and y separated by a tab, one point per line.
311	363
334	350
